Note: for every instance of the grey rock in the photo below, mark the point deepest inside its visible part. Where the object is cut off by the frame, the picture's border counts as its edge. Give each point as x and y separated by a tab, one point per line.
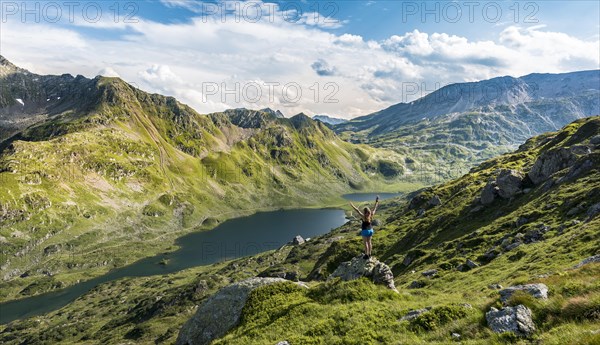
573	211
511	319
551	162
509	183
471	264
435	201
283	343
488	256
591	259
495	286
413	314
488	194
455	336
420	212
220	312
595	140
408	259
577	170
416	285
358	267
535	290
298	240
430	273
534	235
512	246
581	150
593	211
521	221
467	266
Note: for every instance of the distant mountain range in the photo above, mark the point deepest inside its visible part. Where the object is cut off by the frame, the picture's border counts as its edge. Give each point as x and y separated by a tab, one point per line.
467	123
329	120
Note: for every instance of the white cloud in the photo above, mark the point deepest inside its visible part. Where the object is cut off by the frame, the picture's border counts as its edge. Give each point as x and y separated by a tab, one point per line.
179	59
109	72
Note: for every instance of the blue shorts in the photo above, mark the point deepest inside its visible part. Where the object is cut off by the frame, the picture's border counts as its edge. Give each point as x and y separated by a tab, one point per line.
367	233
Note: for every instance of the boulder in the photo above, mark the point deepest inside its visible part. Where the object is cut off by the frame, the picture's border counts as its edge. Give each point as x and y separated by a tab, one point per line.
429	273
416	285
495	286
372	268
413	314
591	259
549	163
467	266
283	343
488	194
511	319
298	240
593	211
535	290
220	312
435	201
509	183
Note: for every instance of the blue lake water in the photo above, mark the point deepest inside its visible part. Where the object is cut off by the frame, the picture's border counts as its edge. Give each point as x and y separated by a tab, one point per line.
232	239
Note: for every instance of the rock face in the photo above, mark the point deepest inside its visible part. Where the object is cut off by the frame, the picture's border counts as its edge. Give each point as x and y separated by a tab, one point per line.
509	183
535	290
511	319
591	259
488	194
358	267
549	163
220	312
435	201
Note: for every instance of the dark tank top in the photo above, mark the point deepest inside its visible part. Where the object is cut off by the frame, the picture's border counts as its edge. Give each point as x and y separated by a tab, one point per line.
366	225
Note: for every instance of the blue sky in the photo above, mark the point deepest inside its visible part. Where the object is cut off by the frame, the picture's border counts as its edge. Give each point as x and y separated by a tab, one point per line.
342	58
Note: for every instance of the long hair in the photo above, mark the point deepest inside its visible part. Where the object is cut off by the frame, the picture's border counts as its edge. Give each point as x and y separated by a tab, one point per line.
367	214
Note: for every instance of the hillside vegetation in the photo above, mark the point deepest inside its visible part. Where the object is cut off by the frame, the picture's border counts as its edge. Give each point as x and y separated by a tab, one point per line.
530	216
95	174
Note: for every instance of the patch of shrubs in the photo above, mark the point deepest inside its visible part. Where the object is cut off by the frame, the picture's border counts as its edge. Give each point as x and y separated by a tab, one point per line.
437	317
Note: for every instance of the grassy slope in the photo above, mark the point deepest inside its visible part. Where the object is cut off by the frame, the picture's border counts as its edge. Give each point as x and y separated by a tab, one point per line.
151	310
138	170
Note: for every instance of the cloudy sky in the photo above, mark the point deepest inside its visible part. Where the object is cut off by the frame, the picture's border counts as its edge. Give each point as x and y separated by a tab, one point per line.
342	58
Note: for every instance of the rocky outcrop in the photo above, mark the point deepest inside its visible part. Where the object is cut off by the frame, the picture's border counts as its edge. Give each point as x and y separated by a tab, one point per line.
535	290
511	319
435	201
372	268
551	162
467	266
220	312
298	240
591	259
507	184
488	194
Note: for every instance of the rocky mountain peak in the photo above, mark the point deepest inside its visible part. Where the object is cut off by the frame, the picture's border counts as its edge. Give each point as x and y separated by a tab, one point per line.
7	67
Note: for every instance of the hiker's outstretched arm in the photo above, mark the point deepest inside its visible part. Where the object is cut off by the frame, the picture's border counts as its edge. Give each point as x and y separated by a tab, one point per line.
376	204
356	209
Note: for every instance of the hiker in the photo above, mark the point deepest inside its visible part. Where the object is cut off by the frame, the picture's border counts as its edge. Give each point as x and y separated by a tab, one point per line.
367	227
